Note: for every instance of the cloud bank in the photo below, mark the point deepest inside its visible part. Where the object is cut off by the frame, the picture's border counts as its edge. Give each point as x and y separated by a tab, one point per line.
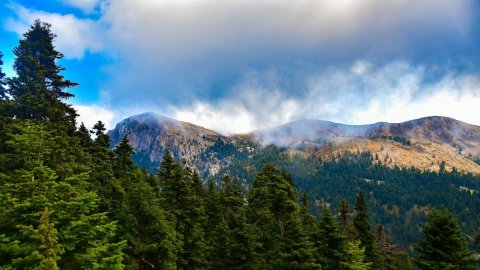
236	66
361	94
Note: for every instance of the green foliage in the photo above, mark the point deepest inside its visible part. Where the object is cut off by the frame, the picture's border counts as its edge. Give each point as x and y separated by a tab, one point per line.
280	240
150	237
364	231
230	244
39	88
181	194
443	245
330	241
355	259
399	197
50	216
33	188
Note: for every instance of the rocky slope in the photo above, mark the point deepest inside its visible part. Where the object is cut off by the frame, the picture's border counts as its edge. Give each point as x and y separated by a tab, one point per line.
424	143
151	134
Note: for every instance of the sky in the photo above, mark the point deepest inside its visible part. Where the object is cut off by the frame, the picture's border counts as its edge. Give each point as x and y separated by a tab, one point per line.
241	65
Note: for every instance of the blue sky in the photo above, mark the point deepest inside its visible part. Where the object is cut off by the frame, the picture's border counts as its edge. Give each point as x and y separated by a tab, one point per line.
240	65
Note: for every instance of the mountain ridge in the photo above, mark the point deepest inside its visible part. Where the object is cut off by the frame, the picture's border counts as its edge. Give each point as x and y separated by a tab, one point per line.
424	143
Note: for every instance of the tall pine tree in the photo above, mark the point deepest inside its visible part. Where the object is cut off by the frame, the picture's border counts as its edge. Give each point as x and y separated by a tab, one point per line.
364	231
38	90
330	241
181	196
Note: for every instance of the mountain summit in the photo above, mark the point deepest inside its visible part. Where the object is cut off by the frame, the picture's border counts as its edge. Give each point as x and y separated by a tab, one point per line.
151	134
430	143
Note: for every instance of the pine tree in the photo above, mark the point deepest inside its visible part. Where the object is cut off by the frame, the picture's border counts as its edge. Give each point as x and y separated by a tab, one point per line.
280	240
330	241
30	186
355	259
364	231
229	240
150	237
123	158
443	245
308	220
102	177
181	197
39	88
5	120
45	250
45	171
194	236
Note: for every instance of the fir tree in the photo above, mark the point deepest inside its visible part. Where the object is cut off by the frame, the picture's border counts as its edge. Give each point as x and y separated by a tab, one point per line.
39	88
229	240
30	186
330	241
443	245
102	177
355	259
279	236
150	237
123	157
46	250
364	231
309	221
185	212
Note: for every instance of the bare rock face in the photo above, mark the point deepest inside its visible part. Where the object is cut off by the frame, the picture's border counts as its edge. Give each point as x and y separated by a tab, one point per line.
152	134
424	143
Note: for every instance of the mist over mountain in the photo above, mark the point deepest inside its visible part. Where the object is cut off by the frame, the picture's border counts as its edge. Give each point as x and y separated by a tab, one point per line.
424	143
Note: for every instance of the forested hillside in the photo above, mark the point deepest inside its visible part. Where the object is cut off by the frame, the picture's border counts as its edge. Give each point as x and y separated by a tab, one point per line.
68	201
399	198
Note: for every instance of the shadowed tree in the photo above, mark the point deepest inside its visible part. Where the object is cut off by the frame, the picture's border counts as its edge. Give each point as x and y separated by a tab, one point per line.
443	245
364	231
330	241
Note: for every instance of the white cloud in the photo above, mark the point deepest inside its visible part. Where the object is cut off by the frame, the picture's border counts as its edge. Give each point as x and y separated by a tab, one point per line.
232	117
182	48
395	92
74	36
91	114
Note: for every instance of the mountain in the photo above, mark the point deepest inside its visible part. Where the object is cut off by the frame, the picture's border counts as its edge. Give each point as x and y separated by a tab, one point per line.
331	161
151	134
423	143
429	143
